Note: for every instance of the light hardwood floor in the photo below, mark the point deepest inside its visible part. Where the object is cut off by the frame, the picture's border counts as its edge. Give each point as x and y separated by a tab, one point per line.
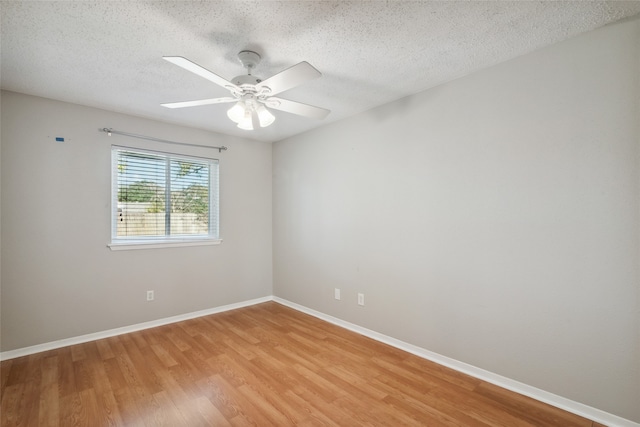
262	365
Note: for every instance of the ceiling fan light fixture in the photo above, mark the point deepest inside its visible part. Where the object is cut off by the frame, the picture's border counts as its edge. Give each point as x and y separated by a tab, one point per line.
236	113
265	116
250	115
246	122
255	121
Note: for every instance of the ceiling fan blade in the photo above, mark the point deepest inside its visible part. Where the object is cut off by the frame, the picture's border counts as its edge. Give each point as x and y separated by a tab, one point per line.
297	108
202	72
199	102
289	78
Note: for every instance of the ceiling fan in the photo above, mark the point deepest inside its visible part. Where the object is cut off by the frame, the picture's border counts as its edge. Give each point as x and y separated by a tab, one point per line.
252	95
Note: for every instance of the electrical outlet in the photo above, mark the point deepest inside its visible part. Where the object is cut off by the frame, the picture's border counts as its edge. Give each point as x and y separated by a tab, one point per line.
360	299
336	293
150	296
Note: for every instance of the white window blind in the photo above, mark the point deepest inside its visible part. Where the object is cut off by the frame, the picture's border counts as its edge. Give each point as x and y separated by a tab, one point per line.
163	197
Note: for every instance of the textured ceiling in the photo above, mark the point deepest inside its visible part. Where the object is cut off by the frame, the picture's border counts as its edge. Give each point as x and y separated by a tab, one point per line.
108	54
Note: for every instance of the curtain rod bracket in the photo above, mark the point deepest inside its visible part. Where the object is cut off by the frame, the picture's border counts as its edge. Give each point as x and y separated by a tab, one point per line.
110	131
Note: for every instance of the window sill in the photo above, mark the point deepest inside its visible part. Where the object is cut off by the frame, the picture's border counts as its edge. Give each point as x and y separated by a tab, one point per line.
159	244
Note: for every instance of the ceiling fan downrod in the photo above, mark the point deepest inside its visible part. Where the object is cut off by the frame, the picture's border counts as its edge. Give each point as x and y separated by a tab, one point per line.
249	59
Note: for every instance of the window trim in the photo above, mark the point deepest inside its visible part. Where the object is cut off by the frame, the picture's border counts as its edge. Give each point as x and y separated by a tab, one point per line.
156	244
160	242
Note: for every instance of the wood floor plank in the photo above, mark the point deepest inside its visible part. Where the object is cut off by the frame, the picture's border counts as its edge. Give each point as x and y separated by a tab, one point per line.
530	409
262	404
11	397
5	369
257	366
352	383
107	409
48	406
289	355
315	383
213	388
67	381
128	408
318	406
210	413
166	413
435	407
104	349
114	374
245	410
72	411
78	352
443	373
17	371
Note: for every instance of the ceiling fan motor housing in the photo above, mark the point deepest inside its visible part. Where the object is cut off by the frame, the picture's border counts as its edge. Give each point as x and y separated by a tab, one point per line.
246	79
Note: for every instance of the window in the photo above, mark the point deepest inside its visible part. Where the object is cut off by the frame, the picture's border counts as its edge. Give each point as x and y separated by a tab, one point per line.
163	199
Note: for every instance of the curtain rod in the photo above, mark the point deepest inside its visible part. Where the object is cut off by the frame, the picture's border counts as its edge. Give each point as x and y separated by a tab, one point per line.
109	131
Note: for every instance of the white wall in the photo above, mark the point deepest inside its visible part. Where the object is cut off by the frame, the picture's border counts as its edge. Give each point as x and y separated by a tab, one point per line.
60	280
494	219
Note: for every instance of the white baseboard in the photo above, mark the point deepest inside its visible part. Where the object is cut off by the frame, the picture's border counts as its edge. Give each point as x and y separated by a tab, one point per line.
12	354
507	383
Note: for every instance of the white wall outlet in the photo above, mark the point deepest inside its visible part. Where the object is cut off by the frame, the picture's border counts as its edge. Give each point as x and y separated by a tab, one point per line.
360	299
336	293
150	296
